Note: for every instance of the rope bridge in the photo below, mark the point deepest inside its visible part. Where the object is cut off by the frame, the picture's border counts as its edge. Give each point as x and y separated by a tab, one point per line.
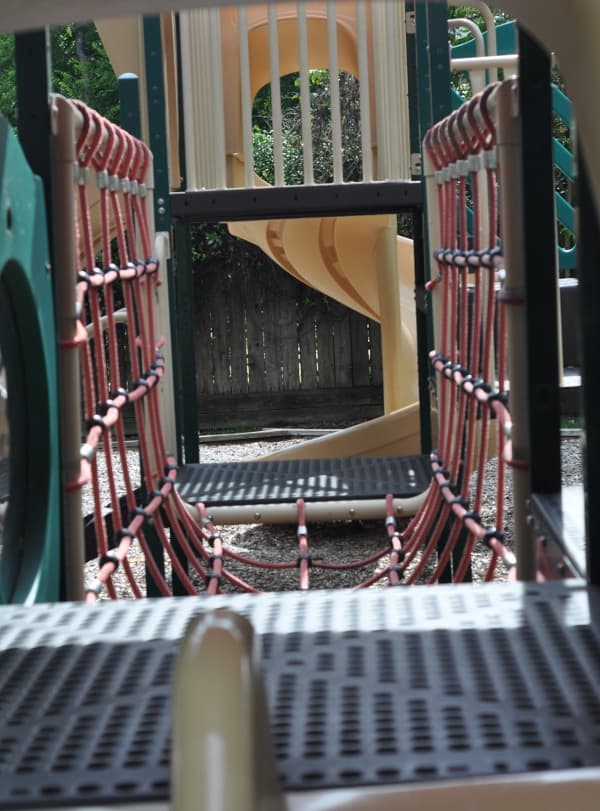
118	281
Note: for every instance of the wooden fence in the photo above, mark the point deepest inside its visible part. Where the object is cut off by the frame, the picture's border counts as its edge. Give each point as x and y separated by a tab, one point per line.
271	351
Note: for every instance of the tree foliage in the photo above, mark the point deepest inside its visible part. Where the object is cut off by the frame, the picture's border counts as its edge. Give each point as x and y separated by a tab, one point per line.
321	128
80	69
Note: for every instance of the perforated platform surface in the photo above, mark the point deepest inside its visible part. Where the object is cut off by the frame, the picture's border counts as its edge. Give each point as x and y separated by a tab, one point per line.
311	479
382	686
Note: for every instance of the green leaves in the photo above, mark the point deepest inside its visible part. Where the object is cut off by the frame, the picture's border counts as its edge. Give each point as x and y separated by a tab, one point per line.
293	159
80	69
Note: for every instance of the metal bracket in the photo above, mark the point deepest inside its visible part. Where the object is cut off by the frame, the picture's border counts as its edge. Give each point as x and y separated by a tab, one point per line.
410	21
416	164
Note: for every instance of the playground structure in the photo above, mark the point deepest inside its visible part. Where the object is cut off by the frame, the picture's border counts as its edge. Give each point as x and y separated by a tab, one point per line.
462	696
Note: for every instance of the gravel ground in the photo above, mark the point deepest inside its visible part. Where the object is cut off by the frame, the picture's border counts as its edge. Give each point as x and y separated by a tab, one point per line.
340	541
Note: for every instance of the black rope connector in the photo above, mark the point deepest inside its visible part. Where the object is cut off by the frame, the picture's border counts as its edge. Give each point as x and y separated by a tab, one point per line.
439	358
462	370
157	494
473	261
140	511
152	373
488	257
169	468
307	558
106	269
493	533
126	266
212	559
446	485
119	393
400	553
165	482
124	533
109	557
102	408
83	276
95	421
142	382
501	396
211	576
479	383
397	569
460	501
468	378
211	540
473	515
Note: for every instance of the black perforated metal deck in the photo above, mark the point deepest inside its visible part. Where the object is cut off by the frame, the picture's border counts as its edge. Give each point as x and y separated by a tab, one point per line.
383	686
311	479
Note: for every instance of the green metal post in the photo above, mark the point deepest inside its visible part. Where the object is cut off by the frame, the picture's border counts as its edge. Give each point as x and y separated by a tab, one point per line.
184	374
129	104
433	63
433	82
157	125
32	57
131	120
423	320
588	261
541	283
185	325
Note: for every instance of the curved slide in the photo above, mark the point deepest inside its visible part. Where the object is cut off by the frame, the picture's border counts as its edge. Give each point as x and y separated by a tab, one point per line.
339	256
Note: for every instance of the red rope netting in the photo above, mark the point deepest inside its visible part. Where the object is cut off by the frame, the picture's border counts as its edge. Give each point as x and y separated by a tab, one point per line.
117	272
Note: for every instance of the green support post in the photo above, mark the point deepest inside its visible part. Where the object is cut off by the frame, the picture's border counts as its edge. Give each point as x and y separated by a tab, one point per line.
541	282
185	325
588	261
157	125
423	320
32	58
182	334
433	82
131	120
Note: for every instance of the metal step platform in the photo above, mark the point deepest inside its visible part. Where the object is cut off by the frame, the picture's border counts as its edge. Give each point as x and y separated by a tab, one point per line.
280	481
384	686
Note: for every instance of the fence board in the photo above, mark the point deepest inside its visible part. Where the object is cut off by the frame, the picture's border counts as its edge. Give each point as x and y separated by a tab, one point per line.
237	337
253	292
342	345
271	345
205	298
359	339
306	340
375	352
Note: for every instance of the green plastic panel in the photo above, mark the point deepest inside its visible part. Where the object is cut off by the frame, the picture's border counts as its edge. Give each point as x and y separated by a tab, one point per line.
30	546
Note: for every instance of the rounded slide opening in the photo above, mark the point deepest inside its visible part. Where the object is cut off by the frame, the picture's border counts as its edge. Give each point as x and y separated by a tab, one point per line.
24	438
